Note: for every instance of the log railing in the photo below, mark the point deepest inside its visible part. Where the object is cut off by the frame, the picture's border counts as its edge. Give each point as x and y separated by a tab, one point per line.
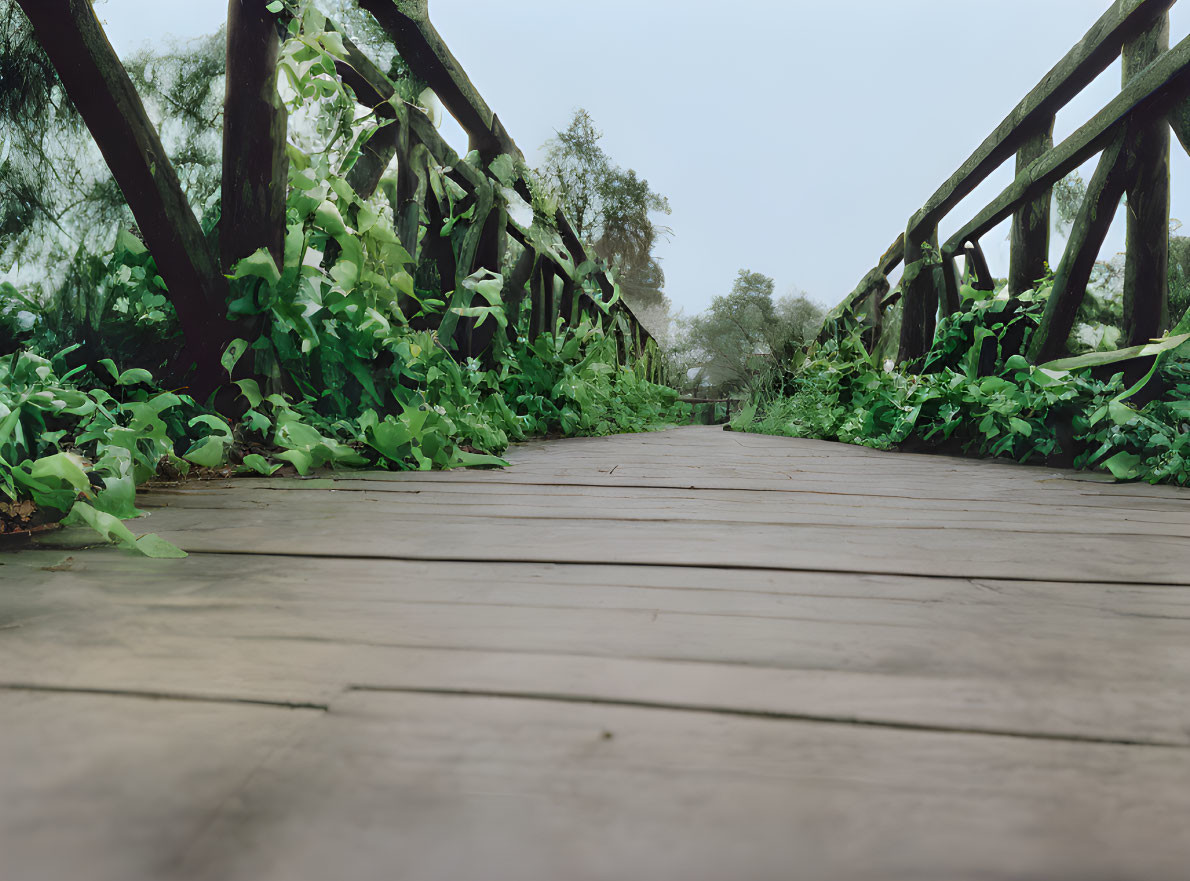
1132	135
553	275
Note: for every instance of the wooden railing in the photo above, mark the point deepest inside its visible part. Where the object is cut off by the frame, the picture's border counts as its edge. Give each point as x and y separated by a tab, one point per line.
1131	133
553	276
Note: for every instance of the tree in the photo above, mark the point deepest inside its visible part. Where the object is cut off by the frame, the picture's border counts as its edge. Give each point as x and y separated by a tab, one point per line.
611	209
746	327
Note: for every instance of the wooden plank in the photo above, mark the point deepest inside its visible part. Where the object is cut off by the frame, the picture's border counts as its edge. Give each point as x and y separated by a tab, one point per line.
507	788
651	506
868	648
1154	91
1090	57
126	800
900	549
478	710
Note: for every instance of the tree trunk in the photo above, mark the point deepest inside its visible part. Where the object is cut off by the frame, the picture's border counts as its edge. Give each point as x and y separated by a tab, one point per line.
1146	271
255	166
97	83
1031	222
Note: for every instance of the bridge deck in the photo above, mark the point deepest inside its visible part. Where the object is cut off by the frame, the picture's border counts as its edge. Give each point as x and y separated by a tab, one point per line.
685	655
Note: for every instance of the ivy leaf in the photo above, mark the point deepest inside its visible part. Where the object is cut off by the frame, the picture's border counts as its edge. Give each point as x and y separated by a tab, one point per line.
259	464
232	354
112	530
259	264
1123	466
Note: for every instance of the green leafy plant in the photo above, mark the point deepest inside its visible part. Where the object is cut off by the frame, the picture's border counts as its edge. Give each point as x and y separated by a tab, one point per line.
978	395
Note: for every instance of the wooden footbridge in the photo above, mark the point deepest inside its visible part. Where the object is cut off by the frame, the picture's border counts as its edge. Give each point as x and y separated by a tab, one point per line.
690	654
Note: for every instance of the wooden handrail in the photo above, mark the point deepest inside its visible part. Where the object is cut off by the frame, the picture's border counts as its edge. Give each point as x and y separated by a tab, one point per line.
1139	30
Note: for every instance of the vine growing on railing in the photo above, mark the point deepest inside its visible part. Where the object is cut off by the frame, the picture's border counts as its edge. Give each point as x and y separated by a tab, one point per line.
351	363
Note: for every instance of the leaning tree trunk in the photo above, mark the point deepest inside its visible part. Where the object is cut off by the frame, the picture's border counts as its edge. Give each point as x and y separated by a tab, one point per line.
255	166
95	80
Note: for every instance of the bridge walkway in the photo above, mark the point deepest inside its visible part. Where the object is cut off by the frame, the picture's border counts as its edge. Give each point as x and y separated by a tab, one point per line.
693	654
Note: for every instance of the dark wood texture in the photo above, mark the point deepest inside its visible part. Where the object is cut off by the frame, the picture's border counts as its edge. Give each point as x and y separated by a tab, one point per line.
1031	223
922	291
1090	228
1146	268
978	273
255	167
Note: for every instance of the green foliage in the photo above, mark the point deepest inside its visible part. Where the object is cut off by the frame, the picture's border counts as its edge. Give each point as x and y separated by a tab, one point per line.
744	333
982	398
339	366
611	209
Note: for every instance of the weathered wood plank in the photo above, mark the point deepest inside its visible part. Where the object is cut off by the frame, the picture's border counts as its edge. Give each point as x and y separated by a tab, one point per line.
511	788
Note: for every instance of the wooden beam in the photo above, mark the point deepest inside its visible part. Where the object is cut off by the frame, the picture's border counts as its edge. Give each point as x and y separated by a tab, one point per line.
1097	49
98	85
1146	268
878	277
1090	228
1179	120
978	272
1154	91
513	293
920	298
255	167
407	24
1030	251
951	302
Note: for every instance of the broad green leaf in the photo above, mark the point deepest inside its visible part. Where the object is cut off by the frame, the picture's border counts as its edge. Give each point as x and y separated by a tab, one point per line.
112	530
65	467
1123	466
208	452
259	264
1100	359
232	354
259	464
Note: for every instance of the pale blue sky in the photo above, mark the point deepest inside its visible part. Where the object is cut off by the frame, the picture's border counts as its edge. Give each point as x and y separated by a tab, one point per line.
792	137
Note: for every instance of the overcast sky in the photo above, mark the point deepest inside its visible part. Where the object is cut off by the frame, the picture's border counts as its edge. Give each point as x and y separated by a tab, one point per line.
792	137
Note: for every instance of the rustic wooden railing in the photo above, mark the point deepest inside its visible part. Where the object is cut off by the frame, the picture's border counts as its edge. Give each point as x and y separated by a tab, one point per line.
1132	135
553	274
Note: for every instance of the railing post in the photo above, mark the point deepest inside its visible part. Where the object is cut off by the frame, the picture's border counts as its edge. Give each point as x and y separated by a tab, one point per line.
1031	222
921	293
979	275
1146	282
